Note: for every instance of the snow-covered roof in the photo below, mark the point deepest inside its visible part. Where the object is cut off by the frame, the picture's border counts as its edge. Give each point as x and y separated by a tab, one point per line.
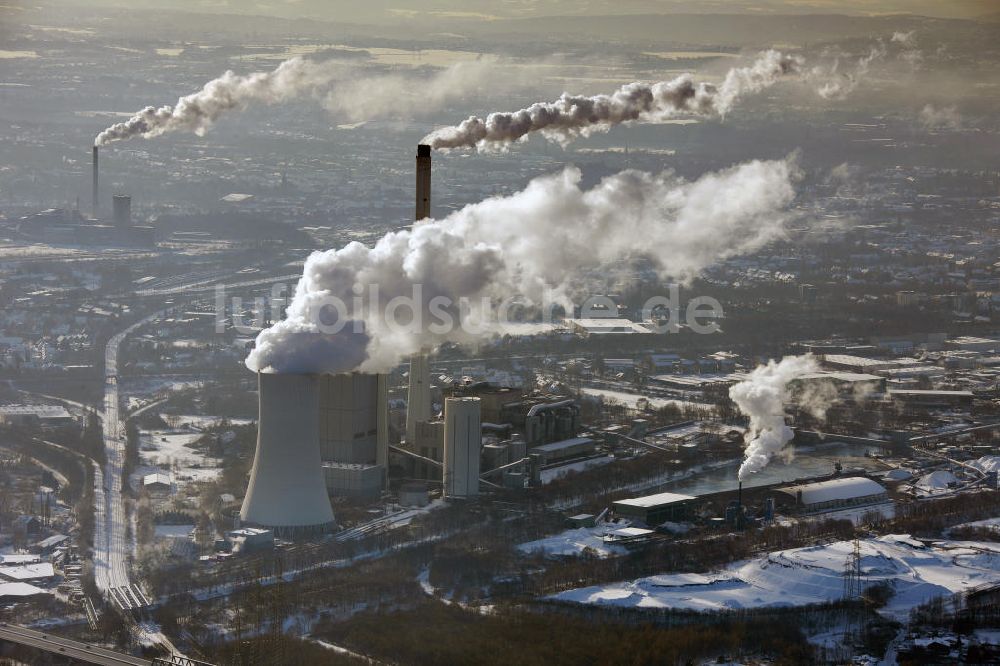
156	477
563	444
19	590
654	500
28	571
834	490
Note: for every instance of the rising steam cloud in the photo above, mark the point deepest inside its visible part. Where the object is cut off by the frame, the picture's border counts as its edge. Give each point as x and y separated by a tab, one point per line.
837	81
345	88
196	112
762	397
572	116
341	317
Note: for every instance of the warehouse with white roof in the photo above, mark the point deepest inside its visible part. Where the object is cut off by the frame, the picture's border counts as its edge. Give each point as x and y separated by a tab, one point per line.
836	494
655	509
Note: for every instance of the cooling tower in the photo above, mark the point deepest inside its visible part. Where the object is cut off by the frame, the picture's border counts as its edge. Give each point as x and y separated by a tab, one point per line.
287	492
463	439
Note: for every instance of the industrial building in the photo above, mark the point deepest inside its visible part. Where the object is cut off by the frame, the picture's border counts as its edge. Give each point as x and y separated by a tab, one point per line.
46	416
354	434
121	206
655	509
933	399
418	401
607	326
567	449
835	494
462	444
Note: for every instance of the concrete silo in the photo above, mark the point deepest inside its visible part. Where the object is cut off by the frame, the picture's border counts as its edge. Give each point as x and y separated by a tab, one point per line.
287	492
463	438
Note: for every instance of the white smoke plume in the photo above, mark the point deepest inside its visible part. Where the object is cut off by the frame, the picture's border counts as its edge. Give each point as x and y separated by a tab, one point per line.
196	112
762	397
836	83
935	118
904	38
351	89
573	116
524	246
391	94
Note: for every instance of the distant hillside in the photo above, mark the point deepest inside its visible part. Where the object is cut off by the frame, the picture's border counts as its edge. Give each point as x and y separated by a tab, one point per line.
721	29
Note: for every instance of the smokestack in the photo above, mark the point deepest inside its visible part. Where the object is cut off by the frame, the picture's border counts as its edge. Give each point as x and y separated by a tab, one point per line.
423	182
418	401
97	193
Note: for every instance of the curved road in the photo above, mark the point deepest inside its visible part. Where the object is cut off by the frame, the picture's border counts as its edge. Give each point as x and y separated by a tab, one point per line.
111	543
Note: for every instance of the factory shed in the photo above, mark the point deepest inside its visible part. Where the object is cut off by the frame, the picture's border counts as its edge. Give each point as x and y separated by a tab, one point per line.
565	449
655	509
836	494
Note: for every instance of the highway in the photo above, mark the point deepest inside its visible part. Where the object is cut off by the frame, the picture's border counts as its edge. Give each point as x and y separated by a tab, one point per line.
111	543
83	652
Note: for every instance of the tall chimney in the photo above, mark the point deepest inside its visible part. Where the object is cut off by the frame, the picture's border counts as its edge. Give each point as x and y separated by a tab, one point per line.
97	193
423	182
418	399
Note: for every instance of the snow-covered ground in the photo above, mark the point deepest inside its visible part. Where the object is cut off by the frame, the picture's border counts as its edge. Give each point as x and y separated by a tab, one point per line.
632	399
201	422
553	473
574	541
989	523
169	450
802	576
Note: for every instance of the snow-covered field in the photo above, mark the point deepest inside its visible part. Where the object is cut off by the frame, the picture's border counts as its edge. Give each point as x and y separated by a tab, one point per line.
802	576
169	450
632	399
573	542
553	473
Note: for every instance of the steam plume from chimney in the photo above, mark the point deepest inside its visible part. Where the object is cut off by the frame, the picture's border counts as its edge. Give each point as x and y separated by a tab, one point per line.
525	245
762	397
349	89
572	116
197	111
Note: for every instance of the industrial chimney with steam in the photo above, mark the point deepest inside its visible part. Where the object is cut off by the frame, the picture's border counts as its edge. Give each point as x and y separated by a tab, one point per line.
418	400
97	192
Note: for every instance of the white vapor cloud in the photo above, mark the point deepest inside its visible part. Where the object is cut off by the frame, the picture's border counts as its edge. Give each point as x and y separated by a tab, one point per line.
351	89
573	116
524	246
762	397
945	117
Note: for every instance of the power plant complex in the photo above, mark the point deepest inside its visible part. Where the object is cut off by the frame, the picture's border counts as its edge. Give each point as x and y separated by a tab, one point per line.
327	435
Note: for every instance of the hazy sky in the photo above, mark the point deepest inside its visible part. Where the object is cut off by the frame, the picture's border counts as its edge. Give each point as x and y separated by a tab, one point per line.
378	10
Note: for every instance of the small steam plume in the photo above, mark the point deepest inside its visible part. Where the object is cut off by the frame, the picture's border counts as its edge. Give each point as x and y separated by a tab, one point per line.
835	83
379	95
346	88
572	116
762	397
196	112
905	38
946	117
526	246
